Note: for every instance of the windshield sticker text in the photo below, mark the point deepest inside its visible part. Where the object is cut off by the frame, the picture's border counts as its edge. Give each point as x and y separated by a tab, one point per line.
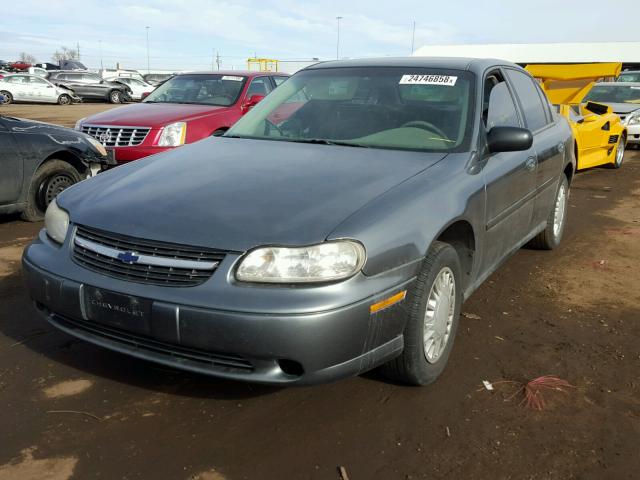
447	80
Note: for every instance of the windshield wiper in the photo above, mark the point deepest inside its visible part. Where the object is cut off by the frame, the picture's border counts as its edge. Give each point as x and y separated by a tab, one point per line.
324	141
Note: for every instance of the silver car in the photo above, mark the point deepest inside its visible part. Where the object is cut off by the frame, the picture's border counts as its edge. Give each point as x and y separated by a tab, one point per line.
32	88
624	100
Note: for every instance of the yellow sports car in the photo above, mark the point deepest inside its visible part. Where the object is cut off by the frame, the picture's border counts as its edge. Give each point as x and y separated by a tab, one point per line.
600	137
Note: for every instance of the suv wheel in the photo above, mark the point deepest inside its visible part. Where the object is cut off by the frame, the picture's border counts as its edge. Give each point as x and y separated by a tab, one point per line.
115	96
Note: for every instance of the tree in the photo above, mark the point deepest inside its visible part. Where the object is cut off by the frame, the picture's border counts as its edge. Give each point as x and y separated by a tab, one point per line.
27	58
64	53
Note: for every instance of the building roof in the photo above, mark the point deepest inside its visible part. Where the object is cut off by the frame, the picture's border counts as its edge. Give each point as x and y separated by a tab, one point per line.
624	52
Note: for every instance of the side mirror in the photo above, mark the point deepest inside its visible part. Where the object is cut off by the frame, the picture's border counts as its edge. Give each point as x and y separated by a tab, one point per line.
251	102
509	139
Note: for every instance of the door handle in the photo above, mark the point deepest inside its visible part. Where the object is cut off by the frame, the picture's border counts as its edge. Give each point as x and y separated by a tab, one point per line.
531	163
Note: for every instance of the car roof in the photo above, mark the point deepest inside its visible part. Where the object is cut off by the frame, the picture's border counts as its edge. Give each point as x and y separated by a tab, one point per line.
476	65
238	73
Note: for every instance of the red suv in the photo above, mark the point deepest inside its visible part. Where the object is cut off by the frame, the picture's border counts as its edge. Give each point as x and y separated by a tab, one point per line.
184	109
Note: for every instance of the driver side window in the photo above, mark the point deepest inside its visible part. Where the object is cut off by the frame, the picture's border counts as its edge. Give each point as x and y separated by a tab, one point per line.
499	109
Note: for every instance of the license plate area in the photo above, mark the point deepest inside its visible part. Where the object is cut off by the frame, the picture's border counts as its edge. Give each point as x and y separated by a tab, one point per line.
116	309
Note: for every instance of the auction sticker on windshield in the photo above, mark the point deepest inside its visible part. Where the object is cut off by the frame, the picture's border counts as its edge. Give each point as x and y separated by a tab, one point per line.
447	80
232	77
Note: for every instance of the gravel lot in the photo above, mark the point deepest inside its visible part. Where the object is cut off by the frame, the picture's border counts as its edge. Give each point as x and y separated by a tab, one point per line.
72	410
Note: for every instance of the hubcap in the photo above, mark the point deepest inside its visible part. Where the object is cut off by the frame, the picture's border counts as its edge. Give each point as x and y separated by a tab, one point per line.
558	217
620	152
115	97
438	317
54	187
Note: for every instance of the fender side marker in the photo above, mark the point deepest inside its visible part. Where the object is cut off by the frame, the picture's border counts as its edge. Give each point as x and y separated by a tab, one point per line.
387	302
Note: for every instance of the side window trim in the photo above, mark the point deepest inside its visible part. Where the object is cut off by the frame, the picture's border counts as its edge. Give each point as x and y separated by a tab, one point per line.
514	98
519	104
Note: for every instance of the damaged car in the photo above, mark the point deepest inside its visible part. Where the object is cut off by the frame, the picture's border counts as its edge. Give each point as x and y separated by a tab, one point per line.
91	86
39	160
34	89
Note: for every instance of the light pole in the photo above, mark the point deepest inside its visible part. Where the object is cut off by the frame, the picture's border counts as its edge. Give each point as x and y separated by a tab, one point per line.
147	49
413	37
101	65
338	43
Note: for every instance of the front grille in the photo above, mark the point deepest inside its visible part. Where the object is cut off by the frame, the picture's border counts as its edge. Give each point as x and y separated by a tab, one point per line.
613	138
155	347
158	263
114	136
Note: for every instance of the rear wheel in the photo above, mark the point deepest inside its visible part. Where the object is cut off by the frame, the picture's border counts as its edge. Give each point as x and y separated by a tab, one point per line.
115	96
551	236
48	181
433	313
8	98
64	99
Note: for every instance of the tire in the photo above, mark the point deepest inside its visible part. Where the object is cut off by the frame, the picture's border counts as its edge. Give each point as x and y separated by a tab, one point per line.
64	99
115	96
47	182
619	153
8	98
551	236
418	364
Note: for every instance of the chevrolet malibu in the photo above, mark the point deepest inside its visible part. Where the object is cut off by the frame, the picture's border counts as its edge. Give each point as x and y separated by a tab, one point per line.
336	228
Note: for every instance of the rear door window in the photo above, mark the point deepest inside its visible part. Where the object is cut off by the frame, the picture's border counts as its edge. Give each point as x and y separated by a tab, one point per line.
535	114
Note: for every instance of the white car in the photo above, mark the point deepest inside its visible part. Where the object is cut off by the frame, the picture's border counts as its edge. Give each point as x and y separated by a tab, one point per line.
138	87
31	88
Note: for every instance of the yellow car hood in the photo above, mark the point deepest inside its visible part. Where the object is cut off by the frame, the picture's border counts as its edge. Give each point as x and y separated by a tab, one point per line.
569	83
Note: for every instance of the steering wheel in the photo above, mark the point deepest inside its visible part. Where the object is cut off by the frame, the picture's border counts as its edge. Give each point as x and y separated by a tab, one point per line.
428	126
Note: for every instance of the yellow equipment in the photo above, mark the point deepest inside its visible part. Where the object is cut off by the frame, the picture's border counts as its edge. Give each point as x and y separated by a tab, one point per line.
598	132
262	64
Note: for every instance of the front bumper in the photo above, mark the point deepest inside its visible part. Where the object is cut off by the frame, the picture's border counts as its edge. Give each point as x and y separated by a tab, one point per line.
129	154
633	134
323	333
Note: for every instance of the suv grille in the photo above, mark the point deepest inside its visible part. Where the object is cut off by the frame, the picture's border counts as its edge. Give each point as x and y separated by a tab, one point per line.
143	261
117	136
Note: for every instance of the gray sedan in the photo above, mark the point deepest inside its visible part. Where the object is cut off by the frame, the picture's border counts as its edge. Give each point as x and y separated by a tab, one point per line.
337	227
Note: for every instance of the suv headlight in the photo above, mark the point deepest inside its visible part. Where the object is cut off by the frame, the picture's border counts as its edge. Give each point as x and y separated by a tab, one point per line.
78	125
173	135
326	262
56	222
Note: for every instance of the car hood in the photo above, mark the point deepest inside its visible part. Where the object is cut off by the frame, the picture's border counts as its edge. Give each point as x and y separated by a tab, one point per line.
152	114
623	108
235	194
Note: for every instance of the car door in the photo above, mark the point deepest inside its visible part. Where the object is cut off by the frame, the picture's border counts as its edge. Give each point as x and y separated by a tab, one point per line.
20	88
547	142
11	166
509	177
43	91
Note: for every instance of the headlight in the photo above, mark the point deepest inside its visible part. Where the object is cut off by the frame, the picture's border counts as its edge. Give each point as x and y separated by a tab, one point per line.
634	119
97	145
78	125
56	222
325	262
173	135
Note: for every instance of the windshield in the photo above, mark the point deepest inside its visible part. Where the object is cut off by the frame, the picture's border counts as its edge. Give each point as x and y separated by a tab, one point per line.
222	90
614	94
629	77
377	107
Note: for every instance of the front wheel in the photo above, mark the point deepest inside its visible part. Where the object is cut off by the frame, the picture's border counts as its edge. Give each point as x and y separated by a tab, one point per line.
64	99
47	182
619	152
551	236
433	313
8	98
115	97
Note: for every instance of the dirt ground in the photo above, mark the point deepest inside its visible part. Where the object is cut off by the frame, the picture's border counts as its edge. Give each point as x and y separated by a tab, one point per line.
72	410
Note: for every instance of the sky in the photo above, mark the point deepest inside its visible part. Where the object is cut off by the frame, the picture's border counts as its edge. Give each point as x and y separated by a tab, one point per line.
186	34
